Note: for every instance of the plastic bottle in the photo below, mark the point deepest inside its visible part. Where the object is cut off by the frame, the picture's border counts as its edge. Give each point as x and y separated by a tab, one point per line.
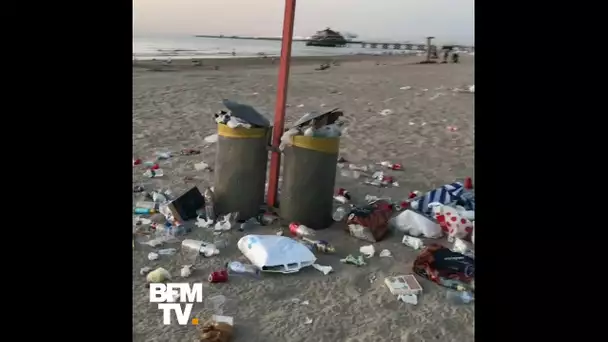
300	230
163	155
167	251
209	204
460	297
341	212
350	173
144	211
145	205
238	268
205	248
154	173
158	197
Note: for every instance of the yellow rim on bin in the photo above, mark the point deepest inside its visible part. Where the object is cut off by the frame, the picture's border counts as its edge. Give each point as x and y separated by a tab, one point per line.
325	145
228	132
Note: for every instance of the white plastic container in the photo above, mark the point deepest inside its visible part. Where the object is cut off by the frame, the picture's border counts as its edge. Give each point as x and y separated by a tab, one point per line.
271	253
415	224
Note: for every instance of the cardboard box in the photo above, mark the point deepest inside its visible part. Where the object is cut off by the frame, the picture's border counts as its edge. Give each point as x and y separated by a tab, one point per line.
403	285
185	206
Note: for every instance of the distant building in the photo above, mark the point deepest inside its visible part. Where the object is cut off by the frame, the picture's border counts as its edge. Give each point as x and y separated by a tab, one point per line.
327	38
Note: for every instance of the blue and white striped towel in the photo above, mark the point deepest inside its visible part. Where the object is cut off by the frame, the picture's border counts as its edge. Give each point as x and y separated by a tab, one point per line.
453	193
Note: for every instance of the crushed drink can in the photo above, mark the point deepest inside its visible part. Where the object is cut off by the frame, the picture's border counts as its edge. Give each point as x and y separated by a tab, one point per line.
414	194
220	276
344	193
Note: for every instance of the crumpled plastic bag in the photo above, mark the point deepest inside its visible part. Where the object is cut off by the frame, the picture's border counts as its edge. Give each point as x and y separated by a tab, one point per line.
159	275
203	222
324	269
453	222
231	121
186	271
415	224
287	138
463	247
473	234
226	222
413	242
328	131
368	251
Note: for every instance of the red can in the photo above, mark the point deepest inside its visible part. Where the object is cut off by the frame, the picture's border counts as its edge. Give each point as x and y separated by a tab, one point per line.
218	276
388	179
155	167
136	161
344	193
293	228
396	167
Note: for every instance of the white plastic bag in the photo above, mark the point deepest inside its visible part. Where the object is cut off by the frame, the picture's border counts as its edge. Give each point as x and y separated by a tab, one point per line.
473	234
414	224
272	253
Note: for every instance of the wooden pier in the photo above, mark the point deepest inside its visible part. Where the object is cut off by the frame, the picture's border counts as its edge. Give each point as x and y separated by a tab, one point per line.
352	43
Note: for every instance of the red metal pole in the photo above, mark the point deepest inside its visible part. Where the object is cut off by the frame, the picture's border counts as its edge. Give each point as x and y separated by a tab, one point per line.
279	110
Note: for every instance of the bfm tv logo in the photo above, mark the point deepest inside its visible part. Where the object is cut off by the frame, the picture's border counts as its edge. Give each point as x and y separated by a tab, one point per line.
166	295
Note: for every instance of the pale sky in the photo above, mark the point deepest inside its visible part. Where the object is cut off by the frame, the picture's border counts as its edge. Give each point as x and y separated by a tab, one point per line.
448	20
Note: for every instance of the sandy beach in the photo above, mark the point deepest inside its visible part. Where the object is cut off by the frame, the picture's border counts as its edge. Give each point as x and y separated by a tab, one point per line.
430	131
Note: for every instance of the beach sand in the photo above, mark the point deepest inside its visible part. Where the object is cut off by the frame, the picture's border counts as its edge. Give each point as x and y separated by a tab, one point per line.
172	110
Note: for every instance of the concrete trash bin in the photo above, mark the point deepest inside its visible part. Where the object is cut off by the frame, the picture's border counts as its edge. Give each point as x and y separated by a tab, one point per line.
309	178
240	170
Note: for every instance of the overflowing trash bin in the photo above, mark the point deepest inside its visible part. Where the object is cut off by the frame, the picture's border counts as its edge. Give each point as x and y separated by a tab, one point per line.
309	170
241	160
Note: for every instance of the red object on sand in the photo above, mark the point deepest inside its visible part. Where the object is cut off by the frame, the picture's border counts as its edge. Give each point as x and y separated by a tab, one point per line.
396	167
343	192
279	114
136	161
412	195
468	183
155	167
218	276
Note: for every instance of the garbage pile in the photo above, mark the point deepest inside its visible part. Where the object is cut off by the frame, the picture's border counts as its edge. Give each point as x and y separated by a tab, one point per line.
320	125
163	218
240	116
375	175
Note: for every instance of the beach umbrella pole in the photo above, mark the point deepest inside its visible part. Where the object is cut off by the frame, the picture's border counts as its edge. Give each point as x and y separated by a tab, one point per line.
279	110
